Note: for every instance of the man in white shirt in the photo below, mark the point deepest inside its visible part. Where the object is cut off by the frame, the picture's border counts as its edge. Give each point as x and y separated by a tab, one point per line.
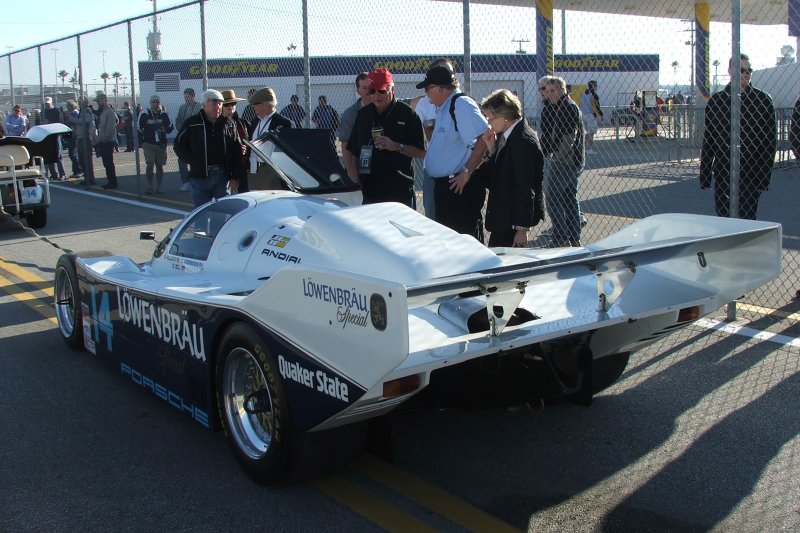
264	103
427	114
590	112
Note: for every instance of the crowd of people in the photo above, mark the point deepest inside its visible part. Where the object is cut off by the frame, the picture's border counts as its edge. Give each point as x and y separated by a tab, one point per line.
471	155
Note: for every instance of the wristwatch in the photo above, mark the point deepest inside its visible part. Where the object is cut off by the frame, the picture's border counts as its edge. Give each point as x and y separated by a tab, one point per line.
402	148
520	228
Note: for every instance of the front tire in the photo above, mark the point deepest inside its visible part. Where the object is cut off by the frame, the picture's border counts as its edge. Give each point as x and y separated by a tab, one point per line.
68	302
252	405
38	218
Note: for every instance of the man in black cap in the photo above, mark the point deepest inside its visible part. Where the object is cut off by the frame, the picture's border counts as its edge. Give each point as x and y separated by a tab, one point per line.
456	149
386	136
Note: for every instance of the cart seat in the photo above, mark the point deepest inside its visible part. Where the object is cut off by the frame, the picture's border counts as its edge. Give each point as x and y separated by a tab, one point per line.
16	155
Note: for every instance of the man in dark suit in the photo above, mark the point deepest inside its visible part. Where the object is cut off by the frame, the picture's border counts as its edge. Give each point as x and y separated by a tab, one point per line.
264	103
514	172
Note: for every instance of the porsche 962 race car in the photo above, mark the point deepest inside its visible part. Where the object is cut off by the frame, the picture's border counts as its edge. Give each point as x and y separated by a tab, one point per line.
277	316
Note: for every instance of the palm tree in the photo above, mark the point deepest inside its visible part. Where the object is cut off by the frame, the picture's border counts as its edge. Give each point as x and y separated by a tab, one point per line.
72	81
105	77
116	75
63	75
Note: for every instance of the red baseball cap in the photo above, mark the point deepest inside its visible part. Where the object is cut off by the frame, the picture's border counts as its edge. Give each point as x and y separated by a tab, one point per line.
380	79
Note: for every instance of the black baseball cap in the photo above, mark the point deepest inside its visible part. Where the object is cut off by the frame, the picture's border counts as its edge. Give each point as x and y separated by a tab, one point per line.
437	76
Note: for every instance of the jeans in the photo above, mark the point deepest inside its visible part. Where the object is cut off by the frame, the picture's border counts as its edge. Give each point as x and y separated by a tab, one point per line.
85	154
72	150
183	168
563	206
107	153
51	167
203	190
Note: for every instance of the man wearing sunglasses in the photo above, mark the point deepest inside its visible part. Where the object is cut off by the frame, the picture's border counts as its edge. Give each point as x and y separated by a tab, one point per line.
758	144
386	136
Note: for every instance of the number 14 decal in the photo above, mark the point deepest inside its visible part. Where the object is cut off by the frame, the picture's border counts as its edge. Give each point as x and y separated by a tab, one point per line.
101	318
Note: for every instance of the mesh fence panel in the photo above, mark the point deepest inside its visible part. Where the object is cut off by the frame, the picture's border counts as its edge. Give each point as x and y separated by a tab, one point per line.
644	157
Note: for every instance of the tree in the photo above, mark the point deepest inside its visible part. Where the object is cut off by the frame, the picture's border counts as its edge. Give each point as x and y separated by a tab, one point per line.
105	77
116	75
63	75
72	81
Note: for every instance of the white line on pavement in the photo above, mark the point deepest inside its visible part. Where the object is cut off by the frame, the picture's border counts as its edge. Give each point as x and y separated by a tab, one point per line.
735	329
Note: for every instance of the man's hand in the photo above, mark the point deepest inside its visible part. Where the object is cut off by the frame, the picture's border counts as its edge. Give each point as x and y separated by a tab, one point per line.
458	183
520	239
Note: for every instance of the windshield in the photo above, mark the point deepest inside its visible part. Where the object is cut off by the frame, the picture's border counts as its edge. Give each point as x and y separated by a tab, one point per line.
197	236
305	157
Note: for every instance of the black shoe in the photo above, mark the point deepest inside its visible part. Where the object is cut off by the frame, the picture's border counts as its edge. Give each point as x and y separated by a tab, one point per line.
109	186
129	149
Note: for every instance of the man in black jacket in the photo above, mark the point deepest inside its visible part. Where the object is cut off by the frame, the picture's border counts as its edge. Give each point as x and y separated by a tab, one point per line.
386	136
154	125
264	103
794	130
758	141
562	139
211	145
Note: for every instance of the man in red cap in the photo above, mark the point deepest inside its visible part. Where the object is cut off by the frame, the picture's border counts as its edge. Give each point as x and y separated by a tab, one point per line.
386	136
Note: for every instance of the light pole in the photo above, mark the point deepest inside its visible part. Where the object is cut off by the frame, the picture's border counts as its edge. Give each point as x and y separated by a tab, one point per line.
55	63
716	65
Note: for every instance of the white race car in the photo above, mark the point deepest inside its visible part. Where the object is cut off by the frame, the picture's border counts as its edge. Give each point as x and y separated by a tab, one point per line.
276	316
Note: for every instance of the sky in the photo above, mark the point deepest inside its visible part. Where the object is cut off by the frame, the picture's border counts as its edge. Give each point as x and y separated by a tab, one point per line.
333	24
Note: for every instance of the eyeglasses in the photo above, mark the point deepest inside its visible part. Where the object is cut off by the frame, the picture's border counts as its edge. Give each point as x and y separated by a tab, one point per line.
230	104
429	87
746	70
382	91
541	88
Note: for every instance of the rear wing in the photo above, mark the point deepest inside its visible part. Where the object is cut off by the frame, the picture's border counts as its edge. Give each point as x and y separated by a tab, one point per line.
734	256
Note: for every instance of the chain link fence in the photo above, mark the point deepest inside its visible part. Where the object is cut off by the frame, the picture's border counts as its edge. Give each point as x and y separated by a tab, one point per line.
653	111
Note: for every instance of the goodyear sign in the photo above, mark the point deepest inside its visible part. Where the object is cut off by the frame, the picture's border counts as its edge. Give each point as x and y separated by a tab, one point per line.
335	66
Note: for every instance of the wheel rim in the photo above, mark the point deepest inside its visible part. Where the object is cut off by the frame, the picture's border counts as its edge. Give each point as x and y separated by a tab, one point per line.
65	303
249	408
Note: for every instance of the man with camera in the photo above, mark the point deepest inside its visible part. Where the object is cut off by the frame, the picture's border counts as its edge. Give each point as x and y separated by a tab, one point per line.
154	126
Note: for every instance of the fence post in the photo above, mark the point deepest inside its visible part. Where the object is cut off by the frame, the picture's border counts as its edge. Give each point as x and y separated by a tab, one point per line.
135	125
736	101
204	57
467	51
306	65
80	71
11	81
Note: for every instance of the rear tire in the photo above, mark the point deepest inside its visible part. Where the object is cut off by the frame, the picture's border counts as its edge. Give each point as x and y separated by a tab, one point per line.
68	302
37	219
252	405
607	370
